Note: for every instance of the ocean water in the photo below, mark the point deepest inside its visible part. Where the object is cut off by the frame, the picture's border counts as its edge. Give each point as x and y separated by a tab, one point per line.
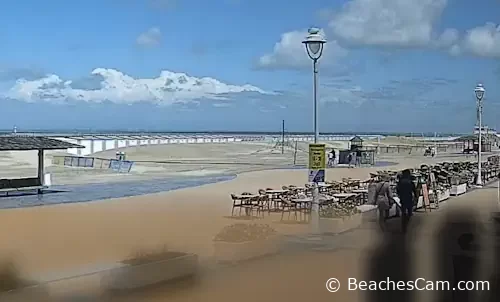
100	191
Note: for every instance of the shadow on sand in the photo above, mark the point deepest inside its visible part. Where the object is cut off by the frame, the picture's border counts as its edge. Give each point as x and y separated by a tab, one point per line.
457	252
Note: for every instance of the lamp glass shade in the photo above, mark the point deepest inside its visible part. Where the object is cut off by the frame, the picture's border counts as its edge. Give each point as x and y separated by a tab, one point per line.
479	93
314	47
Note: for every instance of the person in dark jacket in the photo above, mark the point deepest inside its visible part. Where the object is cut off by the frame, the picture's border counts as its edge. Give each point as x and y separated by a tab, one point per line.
407	193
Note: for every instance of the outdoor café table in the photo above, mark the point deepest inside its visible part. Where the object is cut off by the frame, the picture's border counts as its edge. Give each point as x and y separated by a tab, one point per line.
276	191
324	186
246	197
274	198
343	195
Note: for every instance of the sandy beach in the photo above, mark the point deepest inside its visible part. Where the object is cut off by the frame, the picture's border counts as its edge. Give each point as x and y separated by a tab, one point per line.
55	241
186	160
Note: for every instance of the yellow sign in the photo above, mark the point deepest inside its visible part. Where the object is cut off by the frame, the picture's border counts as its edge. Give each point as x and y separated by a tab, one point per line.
317	158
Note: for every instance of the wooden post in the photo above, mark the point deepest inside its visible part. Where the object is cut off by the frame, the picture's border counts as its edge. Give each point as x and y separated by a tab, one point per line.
41	171
283	137
434	188
295	154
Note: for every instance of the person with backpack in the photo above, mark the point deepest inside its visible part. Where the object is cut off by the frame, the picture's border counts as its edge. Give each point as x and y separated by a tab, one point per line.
383	198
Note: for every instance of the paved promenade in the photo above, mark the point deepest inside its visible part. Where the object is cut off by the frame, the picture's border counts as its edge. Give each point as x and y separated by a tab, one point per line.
455	241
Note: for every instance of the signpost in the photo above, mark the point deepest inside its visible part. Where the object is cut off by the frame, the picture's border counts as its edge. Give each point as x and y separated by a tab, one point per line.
434	189
425	194
317	163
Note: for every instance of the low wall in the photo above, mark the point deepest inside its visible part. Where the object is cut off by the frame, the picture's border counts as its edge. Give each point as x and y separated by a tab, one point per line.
404	149
119	166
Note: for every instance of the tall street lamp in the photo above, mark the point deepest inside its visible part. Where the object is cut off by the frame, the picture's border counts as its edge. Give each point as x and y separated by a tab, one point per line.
479	97
314	43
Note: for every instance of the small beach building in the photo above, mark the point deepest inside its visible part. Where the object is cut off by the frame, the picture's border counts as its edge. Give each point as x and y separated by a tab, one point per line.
360	155
356	143
29	143
471	142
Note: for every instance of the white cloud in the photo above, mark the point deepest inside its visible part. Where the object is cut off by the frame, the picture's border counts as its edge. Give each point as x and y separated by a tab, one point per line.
168	88
400	23
448	38
483	41
151	38
289	52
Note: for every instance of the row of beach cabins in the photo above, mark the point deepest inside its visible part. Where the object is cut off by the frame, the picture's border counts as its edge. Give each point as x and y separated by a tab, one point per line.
97	143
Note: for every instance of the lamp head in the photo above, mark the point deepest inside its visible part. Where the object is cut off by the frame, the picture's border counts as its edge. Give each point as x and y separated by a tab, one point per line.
479	90
314	43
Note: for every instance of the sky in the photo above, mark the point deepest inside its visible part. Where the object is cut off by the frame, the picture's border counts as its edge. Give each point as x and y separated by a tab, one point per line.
192	65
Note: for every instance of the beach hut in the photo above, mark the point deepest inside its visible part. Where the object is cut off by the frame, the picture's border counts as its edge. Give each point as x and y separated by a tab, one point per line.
356	143
361	156
471	143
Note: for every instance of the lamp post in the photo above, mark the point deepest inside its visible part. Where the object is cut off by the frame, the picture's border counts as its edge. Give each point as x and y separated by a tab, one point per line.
314	43
479	90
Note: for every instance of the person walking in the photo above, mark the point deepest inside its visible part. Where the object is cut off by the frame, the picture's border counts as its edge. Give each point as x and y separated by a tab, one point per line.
349	159
407	192
358	158
383	198
330	158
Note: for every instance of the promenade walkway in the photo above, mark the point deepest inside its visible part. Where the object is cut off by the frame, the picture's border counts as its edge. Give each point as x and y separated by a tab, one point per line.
445	244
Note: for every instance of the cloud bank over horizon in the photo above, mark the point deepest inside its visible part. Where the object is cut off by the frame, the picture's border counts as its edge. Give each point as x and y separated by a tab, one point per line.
112	85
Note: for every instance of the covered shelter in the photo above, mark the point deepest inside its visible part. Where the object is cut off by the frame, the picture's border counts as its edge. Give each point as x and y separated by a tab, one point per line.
30	143
360	155
356	143
471	142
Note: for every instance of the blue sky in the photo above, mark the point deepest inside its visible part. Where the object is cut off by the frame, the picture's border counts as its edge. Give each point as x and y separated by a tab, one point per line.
398	65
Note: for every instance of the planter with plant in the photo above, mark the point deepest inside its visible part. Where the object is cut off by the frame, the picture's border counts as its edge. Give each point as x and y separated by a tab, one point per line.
241	241
339	217
149	268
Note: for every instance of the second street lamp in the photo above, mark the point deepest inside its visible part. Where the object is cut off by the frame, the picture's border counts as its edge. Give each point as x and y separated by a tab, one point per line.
314	43
479	91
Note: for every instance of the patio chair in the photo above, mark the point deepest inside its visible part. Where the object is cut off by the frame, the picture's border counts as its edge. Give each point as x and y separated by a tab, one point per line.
249	204
264	202
288	207
237	203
